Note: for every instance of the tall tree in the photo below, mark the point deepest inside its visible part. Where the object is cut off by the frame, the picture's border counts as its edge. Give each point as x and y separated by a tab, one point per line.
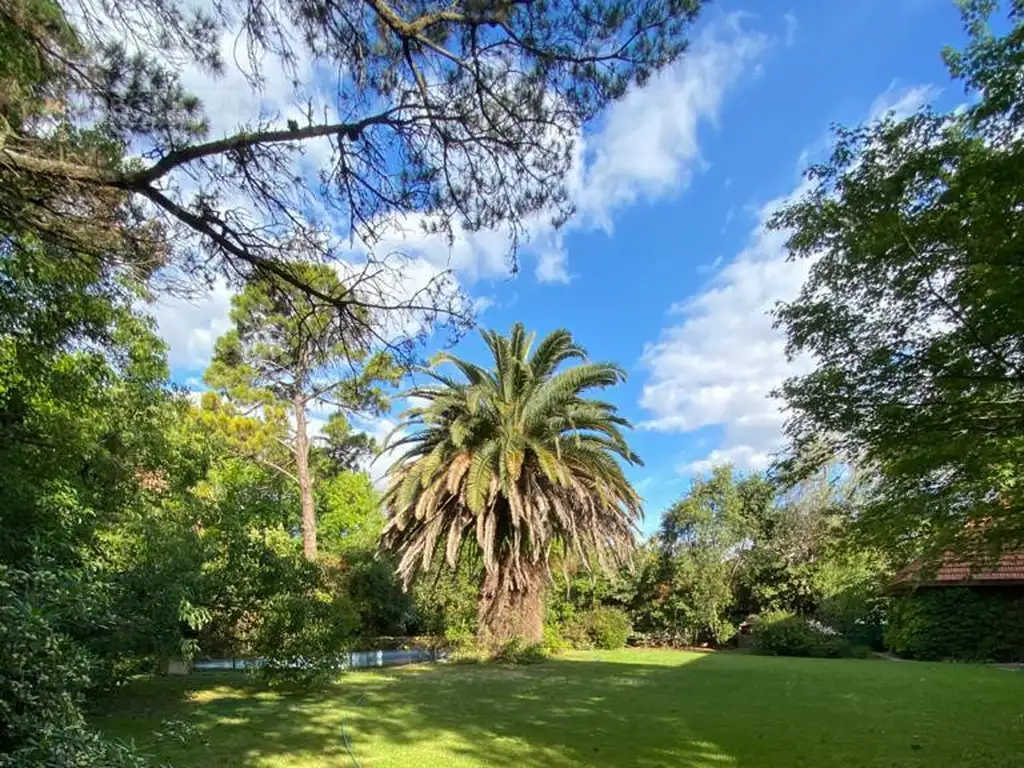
515	460
287	353
454	116
699	556
913	312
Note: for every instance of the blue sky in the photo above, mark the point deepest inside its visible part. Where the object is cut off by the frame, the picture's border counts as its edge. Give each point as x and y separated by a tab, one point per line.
667	269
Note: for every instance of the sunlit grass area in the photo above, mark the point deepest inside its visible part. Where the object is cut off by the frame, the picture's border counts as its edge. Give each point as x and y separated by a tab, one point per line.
625	708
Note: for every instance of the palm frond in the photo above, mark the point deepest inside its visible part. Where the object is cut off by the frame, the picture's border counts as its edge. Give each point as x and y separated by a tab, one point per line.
516	460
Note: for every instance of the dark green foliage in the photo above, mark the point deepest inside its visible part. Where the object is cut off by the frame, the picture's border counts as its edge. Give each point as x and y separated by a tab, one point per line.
687	576
46	677
782	633
849	586
735	546
913	310
602	627
82	450
305	630
446	602
574	593
962	624
45	673
384	608
128	532
515	650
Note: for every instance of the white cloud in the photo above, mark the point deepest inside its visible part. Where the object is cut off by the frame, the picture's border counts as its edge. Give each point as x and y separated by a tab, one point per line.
648	145
901	103
792	24
378	466
718	364
742	456
552	267
645	147
190	326
231	102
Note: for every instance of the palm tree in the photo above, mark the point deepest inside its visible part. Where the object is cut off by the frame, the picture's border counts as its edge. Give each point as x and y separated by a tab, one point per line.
515	464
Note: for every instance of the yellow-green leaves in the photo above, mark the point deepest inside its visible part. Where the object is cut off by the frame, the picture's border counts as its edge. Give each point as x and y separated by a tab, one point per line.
478	480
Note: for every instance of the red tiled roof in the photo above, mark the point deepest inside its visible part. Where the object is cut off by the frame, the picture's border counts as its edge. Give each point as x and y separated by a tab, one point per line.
955	571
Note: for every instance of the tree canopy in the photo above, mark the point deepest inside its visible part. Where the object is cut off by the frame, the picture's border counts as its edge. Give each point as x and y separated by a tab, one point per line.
913	312
289	353
431	115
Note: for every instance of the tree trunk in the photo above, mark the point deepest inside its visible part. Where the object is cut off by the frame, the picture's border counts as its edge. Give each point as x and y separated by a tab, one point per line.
305	481
504	612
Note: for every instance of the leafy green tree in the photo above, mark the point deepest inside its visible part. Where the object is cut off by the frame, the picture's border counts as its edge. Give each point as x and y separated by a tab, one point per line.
423	93
687	584
913	311
343	448
790	539
349	516
849	584
383	606
241	516
287	354
513	460
83	412
718	512
260	595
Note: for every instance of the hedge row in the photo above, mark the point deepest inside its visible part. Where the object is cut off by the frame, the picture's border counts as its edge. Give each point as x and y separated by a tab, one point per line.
957	624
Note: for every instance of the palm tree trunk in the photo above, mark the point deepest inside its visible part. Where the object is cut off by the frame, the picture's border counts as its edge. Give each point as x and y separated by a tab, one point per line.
305	481
505	612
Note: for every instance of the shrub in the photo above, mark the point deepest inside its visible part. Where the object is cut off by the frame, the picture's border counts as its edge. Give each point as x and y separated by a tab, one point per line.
860	622
961	624
44	680
602	627
849	583
859	651
553	642
303	636
517	651
781	633
445	603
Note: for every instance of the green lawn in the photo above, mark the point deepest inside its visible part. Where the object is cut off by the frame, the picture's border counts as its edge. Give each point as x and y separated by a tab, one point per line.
626	708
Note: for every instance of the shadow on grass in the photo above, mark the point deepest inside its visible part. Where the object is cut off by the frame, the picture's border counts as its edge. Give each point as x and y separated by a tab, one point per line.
639	709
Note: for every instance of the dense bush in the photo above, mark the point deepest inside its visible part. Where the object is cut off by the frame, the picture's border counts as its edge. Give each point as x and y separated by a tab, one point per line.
517	651
781	633
554	642
384	608
83	412
859	618
45	678
601	627
305	632
849	585
962	624
445	602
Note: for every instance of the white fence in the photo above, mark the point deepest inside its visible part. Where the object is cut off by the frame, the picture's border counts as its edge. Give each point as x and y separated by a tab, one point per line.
351	660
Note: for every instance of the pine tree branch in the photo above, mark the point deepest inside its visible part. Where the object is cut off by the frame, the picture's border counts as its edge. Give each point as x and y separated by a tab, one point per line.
247	139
